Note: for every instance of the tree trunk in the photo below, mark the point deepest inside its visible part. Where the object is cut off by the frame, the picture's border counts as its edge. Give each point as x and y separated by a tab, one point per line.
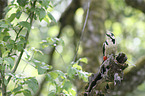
3	4
94	34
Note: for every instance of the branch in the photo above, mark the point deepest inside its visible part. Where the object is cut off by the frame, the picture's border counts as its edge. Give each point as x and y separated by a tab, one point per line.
109	75
138	4
26	38
132	79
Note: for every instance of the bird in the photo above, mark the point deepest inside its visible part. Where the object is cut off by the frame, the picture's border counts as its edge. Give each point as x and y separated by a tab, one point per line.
109	46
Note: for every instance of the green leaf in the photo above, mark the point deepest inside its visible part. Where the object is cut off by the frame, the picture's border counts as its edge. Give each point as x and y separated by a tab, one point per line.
17	89
78	67
26	92
19	46
18	14
22	2
54	75
12	17
40	70
20	43
61	74
43	69
7	9
25	24
67	85
85	60
46	18
71	72
5	54
51	17
45	3
33	84
10	45
41	66
72	91
6	38
41	13
9	61
83	75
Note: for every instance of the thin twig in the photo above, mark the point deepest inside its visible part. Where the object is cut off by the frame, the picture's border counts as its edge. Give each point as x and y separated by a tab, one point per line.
27	62
82	33
60	56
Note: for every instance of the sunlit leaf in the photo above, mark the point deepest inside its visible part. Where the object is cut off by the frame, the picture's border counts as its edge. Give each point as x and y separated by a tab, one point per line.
85	60
67	85
51	17
44	3
26	92
33	84
12	17
71	72
9	61
17	88
5	53
25	24
54	75
41	13
72	91
78	67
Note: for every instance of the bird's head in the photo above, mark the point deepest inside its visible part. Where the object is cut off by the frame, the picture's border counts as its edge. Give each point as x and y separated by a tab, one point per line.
110	36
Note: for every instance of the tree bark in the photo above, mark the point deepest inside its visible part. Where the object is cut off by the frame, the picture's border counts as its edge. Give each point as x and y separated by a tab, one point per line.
132	79
94	36
3	4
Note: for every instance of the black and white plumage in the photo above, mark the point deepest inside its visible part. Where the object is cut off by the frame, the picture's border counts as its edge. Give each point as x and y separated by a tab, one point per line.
109	46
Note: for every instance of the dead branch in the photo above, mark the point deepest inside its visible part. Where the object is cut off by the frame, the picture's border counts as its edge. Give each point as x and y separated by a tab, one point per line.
132	79
109	76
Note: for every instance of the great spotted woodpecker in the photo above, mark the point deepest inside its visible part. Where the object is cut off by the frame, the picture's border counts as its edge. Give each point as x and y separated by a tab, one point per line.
109	46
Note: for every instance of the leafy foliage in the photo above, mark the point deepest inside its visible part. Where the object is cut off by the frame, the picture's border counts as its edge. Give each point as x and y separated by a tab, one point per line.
14	33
